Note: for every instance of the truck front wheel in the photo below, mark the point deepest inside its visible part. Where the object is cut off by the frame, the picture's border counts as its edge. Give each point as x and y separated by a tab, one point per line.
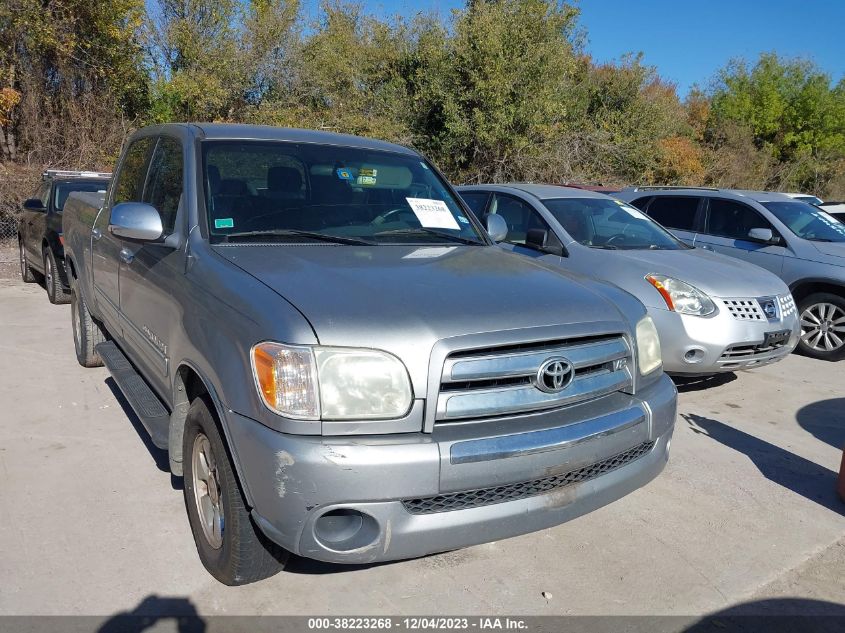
230	545
86	332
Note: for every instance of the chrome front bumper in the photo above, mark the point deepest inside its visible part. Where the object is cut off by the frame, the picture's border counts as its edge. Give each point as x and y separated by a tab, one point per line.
694	345
376	498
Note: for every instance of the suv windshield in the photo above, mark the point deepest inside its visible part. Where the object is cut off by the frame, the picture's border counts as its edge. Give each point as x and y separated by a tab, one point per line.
807	221
278	191
64	189
610	224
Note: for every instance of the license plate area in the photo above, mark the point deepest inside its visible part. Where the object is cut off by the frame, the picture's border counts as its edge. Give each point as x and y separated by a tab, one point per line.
776	338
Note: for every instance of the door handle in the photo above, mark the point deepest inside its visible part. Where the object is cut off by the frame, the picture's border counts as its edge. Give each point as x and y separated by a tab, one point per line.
126	256
96	233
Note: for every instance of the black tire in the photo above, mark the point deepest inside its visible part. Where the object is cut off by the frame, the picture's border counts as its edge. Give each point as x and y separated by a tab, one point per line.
822	336
86	331
53	279
28	275
245	554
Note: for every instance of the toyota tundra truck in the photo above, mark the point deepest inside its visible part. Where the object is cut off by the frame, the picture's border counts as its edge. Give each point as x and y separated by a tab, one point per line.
340	361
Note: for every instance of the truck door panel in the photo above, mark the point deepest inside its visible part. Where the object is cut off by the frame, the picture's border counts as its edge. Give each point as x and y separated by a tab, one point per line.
105	247
150	277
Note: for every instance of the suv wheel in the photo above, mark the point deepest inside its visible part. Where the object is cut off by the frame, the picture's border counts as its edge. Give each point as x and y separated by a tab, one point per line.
230	545
86	332
823	326
52	279
27	274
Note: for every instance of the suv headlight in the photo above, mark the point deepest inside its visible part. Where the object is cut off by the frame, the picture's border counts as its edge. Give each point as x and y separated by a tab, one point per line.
330	383
681	297
649	357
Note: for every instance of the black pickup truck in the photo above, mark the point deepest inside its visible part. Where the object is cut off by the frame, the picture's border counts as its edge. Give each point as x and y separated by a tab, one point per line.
40	228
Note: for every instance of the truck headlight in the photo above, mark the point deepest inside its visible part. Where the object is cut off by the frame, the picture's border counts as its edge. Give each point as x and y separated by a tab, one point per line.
681	297
331	383
649	356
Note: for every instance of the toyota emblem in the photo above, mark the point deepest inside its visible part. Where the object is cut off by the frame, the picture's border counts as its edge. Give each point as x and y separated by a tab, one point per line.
554	375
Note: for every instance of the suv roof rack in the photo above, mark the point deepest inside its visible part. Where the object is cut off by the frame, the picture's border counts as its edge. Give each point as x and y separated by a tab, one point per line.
69	173
650	187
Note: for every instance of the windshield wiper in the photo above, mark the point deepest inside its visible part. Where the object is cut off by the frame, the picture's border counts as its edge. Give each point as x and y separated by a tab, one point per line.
422	229
606	247
819	239
259	235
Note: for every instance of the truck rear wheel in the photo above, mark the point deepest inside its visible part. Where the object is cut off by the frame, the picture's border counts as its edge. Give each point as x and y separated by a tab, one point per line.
53	280
86	332
28	275
822	326
230	545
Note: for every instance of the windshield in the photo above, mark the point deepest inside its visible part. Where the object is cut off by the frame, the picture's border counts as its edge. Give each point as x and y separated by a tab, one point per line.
63	190
610	224
302	192
807	221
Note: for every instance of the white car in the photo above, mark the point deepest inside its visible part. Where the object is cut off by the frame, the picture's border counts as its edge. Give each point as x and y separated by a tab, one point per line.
836	209
805	197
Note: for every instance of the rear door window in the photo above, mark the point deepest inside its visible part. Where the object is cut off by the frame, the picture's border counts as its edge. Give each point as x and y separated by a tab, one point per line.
675	212
727	218
129	185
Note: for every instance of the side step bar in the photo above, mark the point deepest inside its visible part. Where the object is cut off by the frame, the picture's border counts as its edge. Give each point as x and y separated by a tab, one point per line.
141	398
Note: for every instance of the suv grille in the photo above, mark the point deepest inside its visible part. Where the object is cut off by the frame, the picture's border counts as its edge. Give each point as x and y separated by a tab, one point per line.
741	354
744	309
507	380
521	490
751	309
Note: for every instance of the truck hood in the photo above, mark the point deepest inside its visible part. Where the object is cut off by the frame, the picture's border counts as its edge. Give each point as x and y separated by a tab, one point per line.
716	275
404	298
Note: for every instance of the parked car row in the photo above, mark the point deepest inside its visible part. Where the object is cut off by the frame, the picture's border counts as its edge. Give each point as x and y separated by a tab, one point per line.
347	361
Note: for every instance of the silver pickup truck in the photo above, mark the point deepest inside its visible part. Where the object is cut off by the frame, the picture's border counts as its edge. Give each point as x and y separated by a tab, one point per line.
340	361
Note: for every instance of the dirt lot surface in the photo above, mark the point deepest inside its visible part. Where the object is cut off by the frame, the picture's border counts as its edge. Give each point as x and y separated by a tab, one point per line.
91	522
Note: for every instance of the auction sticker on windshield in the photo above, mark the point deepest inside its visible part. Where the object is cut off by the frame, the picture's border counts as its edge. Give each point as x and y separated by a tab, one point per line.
433	214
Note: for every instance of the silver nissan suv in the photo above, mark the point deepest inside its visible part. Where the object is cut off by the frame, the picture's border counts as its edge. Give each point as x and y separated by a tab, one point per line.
797	241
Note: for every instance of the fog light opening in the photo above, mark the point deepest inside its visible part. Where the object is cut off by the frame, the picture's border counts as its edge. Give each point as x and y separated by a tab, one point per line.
345	529
694	355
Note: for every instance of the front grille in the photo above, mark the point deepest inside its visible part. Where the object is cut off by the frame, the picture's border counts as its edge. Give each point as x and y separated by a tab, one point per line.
744	309
512	492
750	309
787	306
491	382
741	354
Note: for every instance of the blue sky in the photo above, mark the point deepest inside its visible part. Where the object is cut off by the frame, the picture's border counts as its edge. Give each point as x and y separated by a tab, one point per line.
689	40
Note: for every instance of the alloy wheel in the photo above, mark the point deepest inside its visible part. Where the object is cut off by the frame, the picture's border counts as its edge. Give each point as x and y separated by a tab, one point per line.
48	274
823	327
23	260
207	494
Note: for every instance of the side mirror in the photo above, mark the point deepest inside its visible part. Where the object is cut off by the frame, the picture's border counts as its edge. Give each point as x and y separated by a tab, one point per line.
496	227
34	204
539	239
135	221
763	235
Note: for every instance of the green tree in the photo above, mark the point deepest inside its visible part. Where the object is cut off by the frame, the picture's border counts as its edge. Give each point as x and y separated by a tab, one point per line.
488	99
791	111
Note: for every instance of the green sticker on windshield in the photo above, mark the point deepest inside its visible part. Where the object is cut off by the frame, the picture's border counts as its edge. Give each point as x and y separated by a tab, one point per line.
224	223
